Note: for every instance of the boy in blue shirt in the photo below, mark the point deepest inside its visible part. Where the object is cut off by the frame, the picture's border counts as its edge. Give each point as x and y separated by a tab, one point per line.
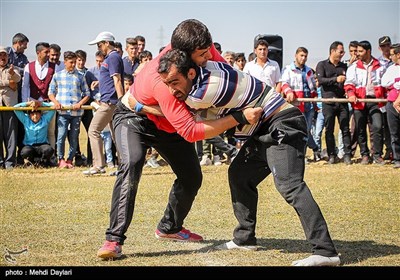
36	142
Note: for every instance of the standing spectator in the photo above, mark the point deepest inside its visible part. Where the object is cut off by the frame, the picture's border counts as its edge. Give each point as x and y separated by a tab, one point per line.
318	123
385	61
229	56
17	58
141	44
391	81
106	137
297	82
144	57
36	142
118	47
384	46
240	61
111	88
131	61
263	68
353	136
54	57
87	116
36	81
9	79
94	87
68	88
331	74
218	47
363	80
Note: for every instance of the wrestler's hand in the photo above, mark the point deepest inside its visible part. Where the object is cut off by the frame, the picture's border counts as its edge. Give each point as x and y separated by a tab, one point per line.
352	99
131	102
252	115
396	105
290	97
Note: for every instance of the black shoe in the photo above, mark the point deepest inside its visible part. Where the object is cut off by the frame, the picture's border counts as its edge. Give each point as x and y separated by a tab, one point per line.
347	159
80	160
379	161
365	160
317	156
388	156
332	159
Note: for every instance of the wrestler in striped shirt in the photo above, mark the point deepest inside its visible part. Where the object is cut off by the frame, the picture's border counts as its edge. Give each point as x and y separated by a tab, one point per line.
218	88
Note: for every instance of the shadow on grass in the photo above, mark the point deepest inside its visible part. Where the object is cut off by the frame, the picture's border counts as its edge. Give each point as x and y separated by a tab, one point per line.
352	252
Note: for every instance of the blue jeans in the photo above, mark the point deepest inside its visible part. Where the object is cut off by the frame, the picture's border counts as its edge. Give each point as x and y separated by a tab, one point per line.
106	136
309	118
319	126
63	122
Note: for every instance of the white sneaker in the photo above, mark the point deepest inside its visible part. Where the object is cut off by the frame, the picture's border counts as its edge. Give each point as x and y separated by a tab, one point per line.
217	160
205	160
317	260
152	162
232	245
94	170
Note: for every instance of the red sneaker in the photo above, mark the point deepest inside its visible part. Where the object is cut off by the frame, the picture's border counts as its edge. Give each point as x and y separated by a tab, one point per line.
110	250
184	235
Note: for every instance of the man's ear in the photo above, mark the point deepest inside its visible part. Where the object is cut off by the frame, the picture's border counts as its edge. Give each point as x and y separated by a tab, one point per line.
192	73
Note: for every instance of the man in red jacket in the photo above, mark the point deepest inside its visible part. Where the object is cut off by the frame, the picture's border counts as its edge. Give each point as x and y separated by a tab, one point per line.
171	135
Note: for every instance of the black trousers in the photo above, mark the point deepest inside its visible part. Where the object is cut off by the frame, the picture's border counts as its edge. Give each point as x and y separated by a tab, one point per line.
330	112
41	151
134	134
8	136
278	148
370	112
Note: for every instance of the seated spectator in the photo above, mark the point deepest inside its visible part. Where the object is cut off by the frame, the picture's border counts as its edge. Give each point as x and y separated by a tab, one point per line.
37	149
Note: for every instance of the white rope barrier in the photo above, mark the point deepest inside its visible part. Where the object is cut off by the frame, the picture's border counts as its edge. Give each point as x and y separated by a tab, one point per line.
341	100
88	107
4	108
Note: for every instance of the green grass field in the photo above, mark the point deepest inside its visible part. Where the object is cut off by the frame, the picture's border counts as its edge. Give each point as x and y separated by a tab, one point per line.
61	217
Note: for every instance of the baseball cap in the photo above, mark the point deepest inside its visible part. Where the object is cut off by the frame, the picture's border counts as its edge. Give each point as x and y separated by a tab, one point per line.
103	36
3	49
384	40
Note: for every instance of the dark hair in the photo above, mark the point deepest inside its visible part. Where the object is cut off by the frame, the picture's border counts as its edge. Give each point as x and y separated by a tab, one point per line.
353	44
69	55
365	45
218	46
19	37
140	38
131	41
81	54
99	53
145	54
239	55
334	45
395	48
190	35
118	45
55	47
41	45
181	59
301	49
261	42
128	77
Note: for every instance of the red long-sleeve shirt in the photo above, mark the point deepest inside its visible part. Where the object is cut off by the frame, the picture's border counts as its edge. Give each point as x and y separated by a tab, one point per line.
149	89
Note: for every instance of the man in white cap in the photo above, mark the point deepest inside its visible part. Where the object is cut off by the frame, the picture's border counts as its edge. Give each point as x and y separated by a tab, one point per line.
9	78
111	88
